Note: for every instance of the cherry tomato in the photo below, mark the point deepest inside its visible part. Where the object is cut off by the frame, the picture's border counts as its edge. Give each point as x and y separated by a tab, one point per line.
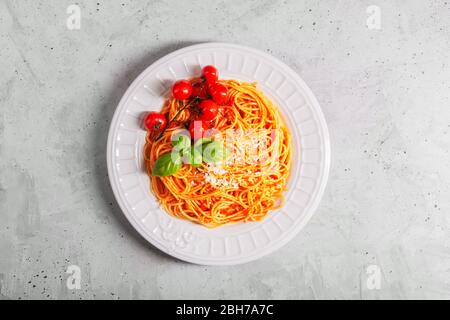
155	121
200	90
219	93
182	90
210	74
208	110
197	129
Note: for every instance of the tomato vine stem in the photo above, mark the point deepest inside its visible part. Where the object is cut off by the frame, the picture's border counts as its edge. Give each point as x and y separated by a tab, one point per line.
193	101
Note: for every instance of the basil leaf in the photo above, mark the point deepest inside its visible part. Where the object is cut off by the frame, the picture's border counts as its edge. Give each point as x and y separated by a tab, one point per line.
181	143
215	152
194	157
167	165
201	143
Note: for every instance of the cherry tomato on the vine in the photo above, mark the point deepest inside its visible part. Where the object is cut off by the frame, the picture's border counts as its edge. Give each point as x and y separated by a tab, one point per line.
219	93
182	90
155	121
211	74
197	129
208	110
200	90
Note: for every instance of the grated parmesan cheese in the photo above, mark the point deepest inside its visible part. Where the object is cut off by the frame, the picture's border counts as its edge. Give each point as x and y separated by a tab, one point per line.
215	176
247	148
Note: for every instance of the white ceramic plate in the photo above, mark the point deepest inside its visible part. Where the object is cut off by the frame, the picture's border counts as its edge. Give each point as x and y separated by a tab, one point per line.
237	243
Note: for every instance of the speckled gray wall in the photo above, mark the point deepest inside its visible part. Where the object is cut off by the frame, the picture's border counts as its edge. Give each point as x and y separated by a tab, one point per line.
385	94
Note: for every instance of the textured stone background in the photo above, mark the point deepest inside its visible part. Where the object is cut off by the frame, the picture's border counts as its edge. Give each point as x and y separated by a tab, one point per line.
385	94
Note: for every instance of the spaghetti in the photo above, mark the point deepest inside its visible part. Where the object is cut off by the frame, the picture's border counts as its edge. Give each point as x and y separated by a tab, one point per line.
245	186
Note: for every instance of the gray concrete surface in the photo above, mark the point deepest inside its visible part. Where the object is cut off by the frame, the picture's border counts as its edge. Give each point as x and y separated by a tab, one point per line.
385	94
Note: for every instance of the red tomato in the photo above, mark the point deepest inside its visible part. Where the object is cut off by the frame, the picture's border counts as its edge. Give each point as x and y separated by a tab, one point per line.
155	121
208	110
200	90
182	90
211	74
219	93
197	129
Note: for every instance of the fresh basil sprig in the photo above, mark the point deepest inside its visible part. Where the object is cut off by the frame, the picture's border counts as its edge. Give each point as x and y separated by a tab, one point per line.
182	143
167	165
214	152
210	150
194	157
204	150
